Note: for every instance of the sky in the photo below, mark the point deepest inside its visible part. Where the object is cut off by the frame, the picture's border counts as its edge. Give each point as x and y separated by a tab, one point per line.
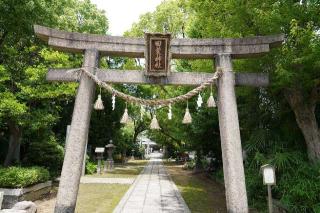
123	13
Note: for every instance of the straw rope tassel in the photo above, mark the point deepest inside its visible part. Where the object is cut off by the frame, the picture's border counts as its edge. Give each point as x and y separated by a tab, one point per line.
98	105
125	117
154	123
211	102
187	119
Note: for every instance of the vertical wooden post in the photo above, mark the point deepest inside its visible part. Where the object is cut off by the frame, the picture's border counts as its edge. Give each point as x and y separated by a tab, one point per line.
270	205
73	160
234	178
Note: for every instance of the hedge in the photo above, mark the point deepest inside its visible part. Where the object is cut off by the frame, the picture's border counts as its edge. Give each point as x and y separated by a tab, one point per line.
18	177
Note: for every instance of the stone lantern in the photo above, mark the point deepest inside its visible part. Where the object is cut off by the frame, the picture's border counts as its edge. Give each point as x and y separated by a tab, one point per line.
109	163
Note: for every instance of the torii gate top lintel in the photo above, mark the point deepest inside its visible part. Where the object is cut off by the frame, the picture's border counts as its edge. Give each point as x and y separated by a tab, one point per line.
180	48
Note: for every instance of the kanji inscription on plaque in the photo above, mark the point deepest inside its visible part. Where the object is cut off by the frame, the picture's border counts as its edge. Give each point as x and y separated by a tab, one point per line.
157	54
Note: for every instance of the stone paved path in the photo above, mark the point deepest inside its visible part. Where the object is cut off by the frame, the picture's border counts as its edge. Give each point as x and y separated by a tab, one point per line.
153	191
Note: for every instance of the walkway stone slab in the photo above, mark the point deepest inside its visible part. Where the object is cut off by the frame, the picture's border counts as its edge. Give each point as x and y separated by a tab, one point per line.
152	191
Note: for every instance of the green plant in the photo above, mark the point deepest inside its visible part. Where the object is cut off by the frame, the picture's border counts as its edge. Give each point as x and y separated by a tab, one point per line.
300	188
298	183
91	167
256	191
189	165
16	177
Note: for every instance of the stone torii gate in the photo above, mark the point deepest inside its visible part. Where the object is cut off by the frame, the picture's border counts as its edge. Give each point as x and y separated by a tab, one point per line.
220	50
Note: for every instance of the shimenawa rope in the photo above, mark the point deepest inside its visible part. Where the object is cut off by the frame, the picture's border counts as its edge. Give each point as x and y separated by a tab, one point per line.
148	102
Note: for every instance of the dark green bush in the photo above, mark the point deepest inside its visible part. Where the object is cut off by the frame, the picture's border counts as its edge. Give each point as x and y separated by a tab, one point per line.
298	185
256	191
47	153
301	188
16	177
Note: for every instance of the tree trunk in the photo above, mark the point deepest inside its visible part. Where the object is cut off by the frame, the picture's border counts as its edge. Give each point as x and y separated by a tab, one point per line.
14	143
135	136
304	110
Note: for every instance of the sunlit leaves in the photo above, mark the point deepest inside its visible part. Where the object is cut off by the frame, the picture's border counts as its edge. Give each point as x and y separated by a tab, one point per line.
299	65
59	59
10	105
4	76
169	16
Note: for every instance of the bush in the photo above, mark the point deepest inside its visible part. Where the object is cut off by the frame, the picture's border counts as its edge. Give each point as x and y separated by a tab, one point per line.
301	188
297	189
256	191
16	177
91	167
189	165
47	153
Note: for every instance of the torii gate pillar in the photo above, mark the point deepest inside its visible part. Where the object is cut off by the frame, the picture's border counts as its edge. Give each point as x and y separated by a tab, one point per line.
73	160
234	178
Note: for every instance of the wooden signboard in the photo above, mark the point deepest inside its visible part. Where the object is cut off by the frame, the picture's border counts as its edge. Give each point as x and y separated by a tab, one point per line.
157	54
99	150
268	172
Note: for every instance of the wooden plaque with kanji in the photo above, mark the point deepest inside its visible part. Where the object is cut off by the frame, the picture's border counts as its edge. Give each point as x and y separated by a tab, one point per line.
157	54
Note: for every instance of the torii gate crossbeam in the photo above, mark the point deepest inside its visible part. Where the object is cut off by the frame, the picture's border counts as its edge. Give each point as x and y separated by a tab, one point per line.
221	50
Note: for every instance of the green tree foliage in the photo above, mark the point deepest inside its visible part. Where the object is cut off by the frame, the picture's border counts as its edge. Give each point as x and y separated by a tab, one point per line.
51	153
168	17
30	105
